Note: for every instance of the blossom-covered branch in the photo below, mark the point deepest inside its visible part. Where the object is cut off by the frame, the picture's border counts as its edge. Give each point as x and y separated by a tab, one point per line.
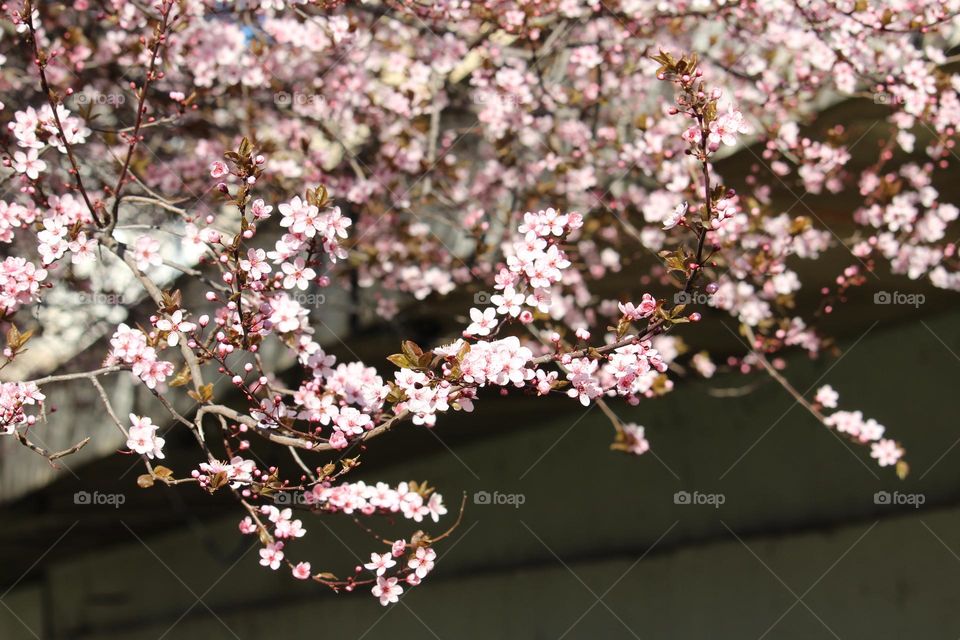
189	182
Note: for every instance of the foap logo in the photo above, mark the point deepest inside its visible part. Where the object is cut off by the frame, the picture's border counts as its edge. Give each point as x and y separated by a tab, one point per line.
506	100
697	498
691	297
897	498
290	498
286	99
882	97
514	500
86	498
94	98
101	298
309	299
698	297
895	297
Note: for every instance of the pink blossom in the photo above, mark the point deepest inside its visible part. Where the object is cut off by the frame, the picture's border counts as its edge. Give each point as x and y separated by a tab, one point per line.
297	274
725	128
247	526
14	398
142	437
380	562
28	163
146	251
387	590
301	571
218	169
673	218
827	397
422	561
645	309
636	441
174	324
272	555
255	264
886	452
483	321
19	284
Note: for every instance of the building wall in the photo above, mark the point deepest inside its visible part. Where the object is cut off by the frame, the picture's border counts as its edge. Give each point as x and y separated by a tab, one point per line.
799	548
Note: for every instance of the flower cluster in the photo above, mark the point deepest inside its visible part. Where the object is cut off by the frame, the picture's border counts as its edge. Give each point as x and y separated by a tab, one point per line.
635	439
725	129
418	565
14	397
424	396
306	222
284	525
130	347
500	362
631	370
885	451
432	211
142	437
536	261
20	283
34	129
237	472
364	498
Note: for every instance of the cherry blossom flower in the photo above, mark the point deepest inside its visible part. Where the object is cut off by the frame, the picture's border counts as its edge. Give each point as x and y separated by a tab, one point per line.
725	128
422	561
53	240
130	346
509	302
218	169
301	571
28	163
14	397
436	507
19	283
674	217
174	324
256	264
483	322
886	452
380	562
297	274
272	555
247	526
142	437
645	309
636	441
146	251
387	590
237	471
83	249
261	211
827	397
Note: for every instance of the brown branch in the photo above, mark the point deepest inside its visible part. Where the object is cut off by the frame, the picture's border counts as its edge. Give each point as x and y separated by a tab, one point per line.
40	60
46	453
154	51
